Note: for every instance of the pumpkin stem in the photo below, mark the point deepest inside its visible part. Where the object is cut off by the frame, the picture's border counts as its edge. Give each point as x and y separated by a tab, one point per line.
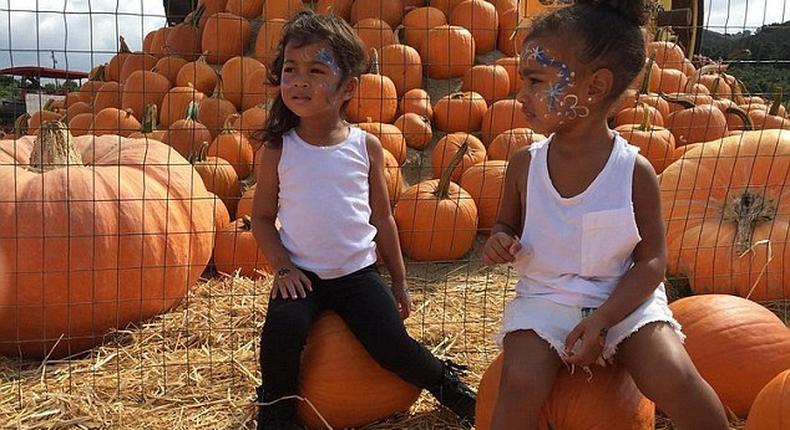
227	127
124	47
191	111
195	19
747	210
714	88
218	94
48	106
686	102
774	109
374	61
645	87
740	113
645	125
149	118
443	189
53	148
738	90
21	125
246	222
199	155
97	74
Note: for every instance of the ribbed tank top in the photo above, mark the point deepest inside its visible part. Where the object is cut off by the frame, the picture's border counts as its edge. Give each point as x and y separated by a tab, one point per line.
575	250
324	208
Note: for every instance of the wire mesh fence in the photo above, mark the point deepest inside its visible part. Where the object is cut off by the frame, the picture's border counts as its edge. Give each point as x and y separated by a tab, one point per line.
132	289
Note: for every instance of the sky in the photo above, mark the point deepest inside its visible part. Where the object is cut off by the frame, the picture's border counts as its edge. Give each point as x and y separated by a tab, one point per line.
87	30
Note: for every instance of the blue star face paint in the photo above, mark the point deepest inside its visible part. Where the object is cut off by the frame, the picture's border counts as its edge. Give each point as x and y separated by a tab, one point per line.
564	75
327	58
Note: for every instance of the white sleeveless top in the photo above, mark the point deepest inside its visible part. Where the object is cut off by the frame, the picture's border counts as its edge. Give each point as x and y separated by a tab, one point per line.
324	206
575	250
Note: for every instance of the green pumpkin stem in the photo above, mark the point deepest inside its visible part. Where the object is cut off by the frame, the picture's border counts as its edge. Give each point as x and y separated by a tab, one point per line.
684	101
191	112
124	48
200	155
443	189
374	61
227	126
645	87
645	125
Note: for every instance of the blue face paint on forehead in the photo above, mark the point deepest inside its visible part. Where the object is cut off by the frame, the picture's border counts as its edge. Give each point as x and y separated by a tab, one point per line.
327	58
564	74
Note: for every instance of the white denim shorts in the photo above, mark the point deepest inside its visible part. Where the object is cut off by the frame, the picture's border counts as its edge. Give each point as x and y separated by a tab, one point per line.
553	322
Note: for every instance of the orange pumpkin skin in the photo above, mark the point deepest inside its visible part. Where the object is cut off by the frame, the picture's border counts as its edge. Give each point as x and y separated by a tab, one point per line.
220	178
417	22
737	345
225	36
666	54
249	9
390	11
284	9
341	8
81	124
417	101
237	249
143	88
576	403
198	74
655	143
257	90
702	123
670	81
771	408
169	67
374	33
235	72
490	81
460	112
86	272
448	146
175	103
375	97
634	115
390	136
343	382
115	121
448	51
511	66
416	130
402	64
484	183
394	177
245	203
502	116
510	141
705	194
235	148
250	122
267	39
481	19
436	224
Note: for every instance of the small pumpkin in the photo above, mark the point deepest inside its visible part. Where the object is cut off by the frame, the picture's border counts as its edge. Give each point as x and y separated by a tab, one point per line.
448	52
115	121
199	75
695	122
655	142
187	134
216	109
175	103
460	112
375	97
237	249
501	116
416	130
113	70
234	147
390	11
136	62
219	176
446	149
267	40
481	19
390	136
341	8
508	142
235	72
225	36
143	88
437	219
108	95
184	39
417	101
46	113
511	66
250	122
169	66
492	82
484	181
81	124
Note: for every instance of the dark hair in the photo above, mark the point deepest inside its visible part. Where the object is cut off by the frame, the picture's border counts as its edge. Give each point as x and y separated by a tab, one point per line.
609	33
305	28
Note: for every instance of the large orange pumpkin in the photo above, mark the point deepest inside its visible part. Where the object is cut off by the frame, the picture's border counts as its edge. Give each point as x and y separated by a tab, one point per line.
234	147
402	64
92	225
115	121
198	74
460	112
737	345
484	183
771	408
437	219
696	122
235	72
143	88
726	205
418	21
237	249
175	103
347	387
610	401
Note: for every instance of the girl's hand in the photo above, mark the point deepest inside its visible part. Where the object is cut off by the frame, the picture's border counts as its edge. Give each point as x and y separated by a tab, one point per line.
592	332
500	248
401	293
291	282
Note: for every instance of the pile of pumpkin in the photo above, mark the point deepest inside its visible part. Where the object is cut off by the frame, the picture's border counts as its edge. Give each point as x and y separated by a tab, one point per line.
146	230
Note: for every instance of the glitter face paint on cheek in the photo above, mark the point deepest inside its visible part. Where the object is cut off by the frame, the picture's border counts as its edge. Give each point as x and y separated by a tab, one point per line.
564	75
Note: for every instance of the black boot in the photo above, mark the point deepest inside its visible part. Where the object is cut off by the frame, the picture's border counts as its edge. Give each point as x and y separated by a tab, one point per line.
454	394
275	415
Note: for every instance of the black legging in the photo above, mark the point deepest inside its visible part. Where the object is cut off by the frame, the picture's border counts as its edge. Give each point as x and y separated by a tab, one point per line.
176	10
367	305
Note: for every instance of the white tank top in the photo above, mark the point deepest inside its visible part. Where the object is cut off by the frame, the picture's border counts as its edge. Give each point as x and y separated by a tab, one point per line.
324	206
575	250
